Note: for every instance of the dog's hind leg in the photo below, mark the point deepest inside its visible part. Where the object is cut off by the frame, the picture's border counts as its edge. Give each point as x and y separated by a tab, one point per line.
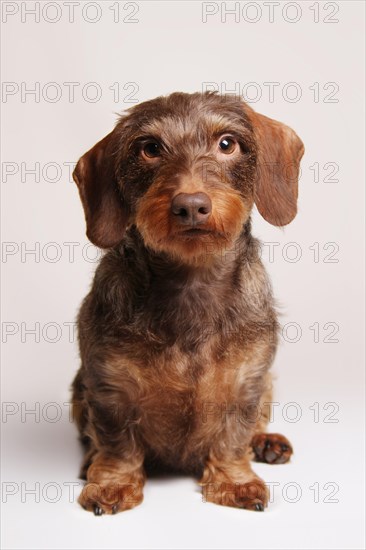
271	448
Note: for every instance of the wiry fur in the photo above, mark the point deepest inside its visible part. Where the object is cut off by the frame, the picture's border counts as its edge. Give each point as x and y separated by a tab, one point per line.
179	331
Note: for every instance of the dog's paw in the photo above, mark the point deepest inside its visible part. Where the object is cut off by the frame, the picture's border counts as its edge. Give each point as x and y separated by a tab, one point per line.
109	498
252	495
271	448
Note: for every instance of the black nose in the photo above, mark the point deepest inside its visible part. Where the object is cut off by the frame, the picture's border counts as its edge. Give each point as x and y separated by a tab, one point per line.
191	208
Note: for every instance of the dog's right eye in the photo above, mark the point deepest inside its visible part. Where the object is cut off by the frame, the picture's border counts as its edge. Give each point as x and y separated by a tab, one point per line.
151	150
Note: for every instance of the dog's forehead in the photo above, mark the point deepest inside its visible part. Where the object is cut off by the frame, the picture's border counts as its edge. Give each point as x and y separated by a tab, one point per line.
178	126
182	116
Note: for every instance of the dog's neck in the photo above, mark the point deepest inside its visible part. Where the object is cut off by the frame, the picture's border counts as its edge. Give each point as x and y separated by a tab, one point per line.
180	303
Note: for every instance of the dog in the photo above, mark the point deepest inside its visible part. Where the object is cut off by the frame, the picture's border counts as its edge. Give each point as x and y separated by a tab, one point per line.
179	329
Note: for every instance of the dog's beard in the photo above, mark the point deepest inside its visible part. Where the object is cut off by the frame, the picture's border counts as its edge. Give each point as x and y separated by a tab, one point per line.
197	244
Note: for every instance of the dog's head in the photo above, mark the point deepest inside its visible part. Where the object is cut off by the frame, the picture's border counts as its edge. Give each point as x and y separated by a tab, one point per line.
186	170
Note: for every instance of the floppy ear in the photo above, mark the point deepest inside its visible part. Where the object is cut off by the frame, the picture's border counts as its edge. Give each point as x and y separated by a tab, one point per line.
279	154
105	213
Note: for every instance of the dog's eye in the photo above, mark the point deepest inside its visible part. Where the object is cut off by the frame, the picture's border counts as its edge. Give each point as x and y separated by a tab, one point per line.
227	145
151	149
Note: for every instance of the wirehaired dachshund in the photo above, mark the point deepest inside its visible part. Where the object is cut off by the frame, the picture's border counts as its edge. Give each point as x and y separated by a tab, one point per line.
179	330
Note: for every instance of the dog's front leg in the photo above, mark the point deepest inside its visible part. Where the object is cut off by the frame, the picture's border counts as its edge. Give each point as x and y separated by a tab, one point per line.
113	485
230	481
228	478
115	477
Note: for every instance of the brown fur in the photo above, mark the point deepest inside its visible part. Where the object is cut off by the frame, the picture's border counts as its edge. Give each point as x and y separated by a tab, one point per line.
178	332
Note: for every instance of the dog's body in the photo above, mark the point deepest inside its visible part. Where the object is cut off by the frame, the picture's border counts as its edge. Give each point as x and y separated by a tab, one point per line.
179	330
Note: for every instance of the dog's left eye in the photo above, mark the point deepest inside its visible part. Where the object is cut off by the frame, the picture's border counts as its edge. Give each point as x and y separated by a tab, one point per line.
151	149
227	145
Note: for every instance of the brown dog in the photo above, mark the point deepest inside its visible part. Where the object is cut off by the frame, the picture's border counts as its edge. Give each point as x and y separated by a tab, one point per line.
178	332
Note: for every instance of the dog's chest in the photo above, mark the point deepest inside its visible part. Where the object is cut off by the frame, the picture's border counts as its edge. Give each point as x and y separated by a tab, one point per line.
184	315
178	392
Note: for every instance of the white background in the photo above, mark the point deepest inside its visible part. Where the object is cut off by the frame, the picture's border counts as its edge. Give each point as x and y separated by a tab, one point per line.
169	48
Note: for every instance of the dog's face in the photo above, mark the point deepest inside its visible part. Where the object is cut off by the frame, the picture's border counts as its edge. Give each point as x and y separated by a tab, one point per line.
186	170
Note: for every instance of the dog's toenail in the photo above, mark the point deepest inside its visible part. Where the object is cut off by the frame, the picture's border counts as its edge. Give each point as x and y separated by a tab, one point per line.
114	509
270	456
259	507
284	447
98	511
